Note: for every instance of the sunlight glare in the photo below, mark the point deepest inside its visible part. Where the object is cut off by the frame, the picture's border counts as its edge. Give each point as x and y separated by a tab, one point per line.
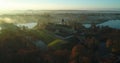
6	20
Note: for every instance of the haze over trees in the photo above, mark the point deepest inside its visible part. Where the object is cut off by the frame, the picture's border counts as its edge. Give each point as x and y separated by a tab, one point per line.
58	42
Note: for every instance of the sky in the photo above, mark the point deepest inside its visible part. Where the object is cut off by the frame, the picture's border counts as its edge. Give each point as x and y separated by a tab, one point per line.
59	4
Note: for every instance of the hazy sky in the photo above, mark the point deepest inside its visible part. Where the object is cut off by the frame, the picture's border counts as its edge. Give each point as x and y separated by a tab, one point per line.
59	4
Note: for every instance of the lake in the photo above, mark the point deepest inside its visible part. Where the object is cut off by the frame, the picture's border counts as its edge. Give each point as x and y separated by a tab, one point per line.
29	25
111	23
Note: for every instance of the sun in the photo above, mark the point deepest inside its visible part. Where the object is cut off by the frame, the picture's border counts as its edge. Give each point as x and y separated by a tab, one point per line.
6	5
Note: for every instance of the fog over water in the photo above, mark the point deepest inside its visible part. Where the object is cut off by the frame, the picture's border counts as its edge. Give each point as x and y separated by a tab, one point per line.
111	23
